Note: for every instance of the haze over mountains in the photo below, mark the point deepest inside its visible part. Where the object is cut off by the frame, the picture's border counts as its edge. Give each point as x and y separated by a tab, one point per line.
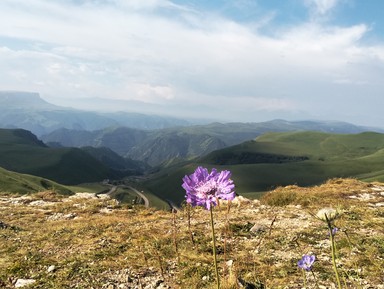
71	146
29	111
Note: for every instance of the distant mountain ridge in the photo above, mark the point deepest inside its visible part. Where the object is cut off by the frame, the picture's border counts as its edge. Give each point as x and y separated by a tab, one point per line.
27	110
167	146
21	100
155	140
21	151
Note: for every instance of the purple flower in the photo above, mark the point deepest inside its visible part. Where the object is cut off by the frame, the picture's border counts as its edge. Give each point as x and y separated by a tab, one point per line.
306	262
204	189
334	231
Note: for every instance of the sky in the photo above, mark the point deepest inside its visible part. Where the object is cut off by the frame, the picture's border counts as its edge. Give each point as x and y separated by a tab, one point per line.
238	60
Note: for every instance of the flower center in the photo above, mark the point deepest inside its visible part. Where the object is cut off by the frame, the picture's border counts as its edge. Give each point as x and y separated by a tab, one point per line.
206	189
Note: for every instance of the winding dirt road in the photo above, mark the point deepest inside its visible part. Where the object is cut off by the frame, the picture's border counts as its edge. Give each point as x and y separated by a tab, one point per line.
140	194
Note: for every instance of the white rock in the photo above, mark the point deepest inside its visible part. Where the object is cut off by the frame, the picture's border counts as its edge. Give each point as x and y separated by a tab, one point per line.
83	196
240	200
24	282
229	263
51	268
40	203
366	196
105	211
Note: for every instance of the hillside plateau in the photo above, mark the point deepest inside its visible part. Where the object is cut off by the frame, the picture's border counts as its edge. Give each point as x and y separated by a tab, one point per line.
280	159
273	159
84	241
165	147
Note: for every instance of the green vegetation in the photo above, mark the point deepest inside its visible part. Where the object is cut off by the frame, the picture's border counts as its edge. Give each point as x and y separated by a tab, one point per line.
271	160
16	183
22	152
166	147
94	188
281	159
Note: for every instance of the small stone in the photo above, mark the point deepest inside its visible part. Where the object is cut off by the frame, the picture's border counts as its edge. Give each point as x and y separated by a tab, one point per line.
70	216
162	286
229	263
257	229
105	210
51	268
24	282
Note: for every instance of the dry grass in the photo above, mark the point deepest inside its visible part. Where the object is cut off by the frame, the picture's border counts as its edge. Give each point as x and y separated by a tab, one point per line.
98	243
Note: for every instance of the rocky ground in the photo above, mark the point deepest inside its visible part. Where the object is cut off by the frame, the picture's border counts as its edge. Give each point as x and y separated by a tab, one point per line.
85	241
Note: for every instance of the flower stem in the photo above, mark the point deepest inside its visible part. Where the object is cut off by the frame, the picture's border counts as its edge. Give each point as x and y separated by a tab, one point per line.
214	250
304	278
189	223
333	250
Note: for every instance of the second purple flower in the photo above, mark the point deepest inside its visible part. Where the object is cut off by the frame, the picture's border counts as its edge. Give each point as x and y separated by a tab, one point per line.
306	262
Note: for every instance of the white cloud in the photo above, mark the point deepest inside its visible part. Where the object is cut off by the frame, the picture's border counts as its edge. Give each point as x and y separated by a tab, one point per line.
321	7
150	93
162	53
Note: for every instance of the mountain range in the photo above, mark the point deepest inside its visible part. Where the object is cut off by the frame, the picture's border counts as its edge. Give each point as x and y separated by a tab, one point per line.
29	111
164	147
70	147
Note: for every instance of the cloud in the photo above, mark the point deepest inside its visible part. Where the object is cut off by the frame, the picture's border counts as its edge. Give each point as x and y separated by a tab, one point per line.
321	7
176	55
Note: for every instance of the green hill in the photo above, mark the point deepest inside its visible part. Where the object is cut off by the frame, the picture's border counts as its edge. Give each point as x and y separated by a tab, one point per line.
279	159
12	182
22	152
112	160
165	147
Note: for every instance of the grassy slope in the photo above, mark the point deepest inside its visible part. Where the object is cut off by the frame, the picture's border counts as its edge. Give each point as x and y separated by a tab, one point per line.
12	182
328	155
109	245
20	151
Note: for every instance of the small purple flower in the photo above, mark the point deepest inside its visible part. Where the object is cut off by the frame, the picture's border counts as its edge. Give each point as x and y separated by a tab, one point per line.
306	262
204	189
334	231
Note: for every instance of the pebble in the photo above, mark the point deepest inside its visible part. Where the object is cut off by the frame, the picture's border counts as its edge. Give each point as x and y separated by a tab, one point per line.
51	268
24	282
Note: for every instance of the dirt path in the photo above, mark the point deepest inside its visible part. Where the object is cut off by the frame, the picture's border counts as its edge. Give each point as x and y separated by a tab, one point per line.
111	190
141	195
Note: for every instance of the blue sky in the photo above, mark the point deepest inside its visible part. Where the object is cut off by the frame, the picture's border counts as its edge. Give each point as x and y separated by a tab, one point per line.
240	60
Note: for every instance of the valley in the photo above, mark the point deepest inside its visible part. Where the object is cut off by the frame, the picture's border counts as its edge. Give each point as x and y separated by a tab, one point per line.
152	159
